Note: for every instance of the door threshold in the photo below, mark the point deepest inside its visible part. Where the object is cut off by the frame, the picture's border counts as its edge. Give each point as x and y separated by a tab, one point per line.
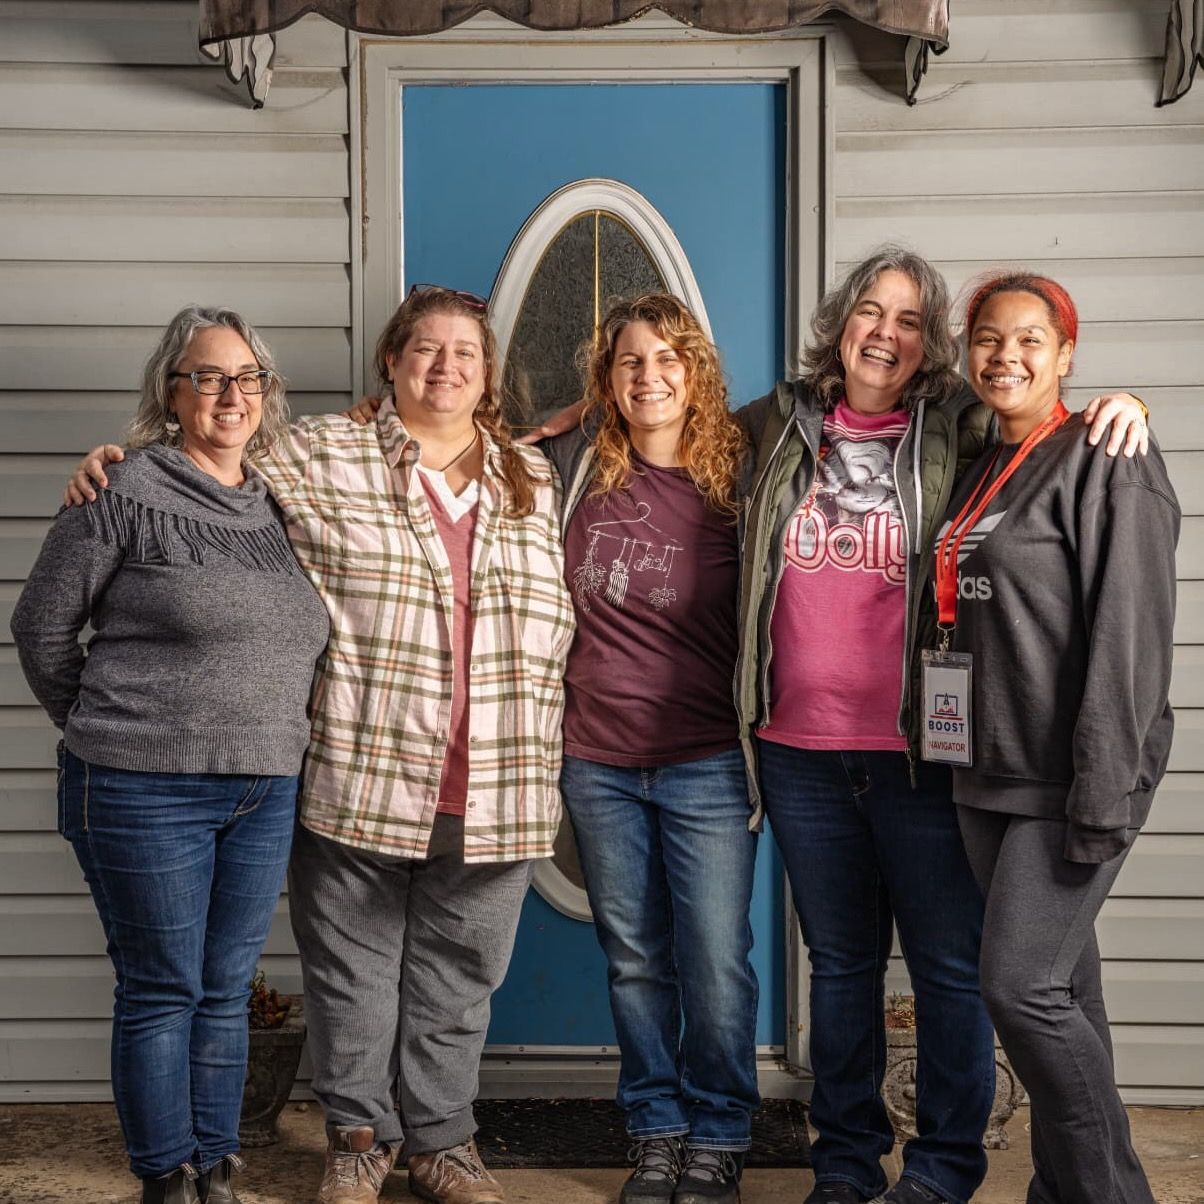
592	1072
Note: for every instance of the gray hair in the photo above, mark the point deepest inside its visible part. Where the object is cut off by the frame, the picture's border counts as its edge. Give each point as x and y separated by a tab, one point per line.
155	408
937	376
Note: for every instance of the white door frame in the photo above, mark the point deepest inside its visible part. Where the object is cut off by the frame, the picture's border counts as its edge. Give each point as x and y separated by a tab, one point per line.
653	49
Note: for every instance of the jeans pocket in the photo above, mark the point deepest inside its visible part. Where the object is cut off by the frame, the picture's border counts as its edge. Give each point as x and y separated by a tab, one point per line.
72	795
60	754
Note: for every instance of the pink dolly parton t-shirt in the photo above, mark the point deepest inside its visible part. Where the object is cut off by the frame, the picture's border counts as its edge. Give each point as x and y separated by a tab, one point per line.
837	626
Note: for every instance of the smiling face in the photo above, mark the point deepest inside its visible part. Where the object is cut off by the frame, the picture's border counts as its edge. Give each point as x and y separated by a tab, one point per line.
882	343
1017	361
648	383
216	427
439	375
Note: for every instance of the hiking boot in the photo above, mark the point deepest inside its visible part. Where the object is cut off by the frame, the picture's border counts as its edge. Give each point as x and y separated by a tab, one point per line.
909	1191
179	1187
213	1186
834	1193
454	1176
710	1177
657	1168
356	1166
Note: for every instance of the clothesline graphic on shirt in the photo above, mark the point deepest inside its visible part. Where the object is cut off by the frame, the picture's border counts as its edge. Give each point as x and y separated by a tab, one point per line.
623	548
851	519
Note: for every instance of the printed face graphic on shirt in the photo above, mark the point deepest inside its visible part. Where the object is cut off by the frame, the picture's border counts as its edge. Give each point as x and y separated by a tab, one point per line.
851	519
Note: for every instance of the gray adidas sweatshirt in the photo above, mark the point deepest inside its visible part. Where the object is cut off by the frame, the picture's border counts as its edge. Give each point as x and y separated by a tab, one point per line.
206	630
1067	602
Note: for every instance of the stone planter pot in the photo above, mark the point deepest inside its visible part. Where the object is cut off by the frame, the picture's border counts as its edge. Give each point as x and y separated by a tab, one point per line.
272	1062
899	1089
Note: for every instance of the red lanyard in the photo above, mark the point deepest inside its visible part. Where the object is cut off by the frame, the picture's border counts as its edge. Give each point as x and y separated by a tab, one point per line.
951	542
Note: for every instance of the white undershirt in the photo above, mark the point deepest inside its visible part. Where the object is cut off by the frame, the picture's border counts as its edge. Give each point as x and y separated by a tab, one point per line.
457	506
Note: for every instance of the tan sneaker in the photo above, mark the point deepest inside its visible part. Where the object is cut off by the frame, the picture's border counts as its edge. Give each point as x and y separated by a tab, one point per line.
455	1176
356	1166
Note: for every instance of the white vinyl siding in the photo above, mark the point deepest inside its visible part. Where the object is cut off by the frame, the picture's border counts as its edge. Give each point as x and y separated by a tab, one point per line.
1036	142
134	179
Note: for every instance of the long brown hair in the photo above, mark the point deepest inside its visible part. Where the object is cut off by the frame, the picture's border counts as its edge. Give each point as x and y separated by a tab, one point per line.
518	477
712	444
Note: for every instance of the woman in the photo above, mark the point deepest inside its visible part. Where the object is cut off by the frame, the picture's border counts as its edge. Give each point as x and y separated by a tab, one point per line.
653	775
183	728
1070	726
853	467
432	776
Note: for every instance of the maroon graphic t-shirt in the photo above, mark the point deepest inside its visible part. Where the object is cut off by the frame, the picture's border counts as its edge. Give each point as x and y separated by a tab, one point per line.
653	574
836	673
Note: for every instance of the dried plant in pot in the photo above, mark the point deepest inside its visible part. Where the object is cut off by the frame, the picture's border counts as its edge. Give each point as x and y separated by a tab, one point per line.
277	1033
899	1084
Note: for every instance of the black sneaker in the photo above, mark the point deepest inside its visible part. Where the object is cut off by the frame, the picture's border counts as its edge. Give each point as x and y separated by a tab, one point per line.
834	1193
657	1169
909	1191
709	1177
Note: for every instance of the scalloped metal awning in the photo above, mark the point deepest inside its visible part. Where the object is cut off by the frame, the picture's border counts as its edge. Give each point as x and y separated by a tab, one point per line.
239	32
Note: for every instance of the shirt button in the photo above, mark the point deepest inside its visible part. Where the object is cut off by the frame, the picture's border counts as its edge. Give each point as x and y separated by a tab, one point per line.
472	739
471	804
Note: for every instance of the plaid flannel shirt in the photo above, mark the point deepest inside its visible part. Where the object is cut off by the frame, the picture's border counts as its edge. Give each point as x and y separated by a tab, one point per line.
360	523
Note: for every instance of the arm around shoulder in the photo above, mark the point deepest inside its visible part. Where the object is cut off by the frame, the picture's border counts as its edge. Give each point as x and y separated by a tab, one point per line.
285	464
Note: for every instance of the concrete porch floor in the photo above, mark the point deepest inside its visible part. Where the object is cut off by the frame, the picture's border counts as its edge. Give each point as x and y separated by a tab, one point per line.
69	1153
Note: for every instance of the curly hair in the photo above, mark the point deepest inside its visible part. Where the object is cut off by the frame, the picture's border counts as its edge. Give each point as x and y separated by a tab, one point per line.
937	376
712	444
517	475
155	408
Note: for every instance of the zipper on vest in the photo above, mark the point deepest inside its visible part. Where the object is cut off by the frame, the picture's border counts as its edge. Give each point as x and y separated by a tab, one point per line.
768	658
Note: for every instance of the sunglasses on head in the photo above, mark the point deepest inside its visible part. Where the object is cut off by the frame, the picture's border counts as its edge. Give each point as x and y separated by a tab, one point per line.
472	300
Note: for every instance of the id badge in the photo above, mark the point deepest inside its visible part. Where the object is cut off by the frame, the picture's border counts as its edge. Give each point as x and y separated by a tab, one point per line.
945	686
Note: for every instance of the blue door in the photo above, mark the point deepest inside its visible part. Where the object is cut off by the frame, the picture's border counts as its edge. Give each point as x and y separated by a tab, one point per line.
477	162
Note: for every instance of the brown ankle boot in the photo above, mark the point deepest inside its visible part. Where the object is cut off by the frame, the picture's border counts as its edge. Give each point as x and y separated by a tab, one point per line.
356	1166
177	1188
454	1176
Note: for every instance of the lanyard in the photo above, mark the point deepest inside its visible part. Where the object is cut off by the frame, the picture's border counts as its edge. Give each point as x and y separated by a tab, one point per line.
951	542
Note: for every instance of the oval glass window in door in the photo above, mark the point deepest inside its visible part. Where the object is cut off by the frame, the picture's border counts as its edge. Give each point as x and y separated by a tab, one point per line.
593	260
589	244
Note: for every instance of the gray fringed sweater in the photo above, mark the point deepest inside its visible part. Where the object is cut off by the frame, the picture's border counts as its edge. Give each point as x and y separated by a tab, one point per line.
206	630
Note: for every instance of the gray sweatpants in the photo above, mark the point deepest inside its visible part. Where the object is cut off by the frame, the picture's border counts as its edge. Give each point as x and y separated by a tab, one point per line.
1040	977
399	958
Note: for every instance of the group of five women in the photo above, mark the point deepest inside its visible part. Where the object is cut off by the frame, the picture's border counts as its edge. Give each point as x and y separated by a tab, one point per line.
788	547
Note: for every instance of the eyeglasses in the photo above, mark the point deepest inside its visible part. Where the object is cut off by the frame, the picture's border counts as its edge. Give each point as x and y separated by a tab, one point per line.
472	300
212	384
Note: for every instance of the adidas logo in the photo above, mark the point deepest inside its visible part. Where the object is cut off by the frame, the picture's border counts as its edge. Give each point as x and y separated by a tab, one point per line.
970	542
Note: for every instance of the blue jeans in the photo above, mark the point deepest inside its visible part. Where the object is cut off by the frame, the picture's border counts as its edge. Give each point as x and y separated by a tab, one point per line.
668	862
185	870
862	846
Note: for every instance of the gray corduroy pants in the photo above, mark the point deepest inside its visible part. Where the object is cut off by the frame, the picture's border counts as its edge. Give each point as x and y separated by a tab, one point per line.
1040	976
399	959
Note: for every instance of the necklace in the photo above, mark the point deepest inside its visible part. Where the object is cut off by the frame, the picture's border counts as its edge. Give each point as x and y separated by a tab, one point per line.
461	453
